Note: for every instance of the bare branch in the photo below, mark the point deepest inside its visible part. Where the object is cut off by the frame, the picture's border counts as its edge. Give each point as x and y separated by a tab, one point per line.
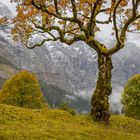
56	7
104	22
74	9
83	15
98	21
39	44
69	31
103	10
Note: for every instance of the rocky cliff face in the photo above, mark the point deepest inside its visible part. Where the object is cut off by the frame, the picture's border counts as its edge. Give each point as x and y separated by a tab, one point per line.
72	68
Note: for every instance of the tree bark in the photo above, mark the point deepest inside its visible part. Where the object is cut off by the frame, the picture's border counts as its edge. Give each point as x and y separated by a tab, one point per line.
100	99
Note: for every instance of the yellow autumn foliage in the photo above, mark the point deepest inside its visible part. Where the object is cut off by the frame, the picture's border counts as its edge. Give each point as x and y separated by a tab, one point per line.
22	90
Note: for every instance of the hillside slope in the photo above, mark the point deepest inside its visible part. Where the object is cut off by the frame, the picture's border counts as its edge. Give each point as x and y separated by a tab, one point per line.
73	68
47	124
6	72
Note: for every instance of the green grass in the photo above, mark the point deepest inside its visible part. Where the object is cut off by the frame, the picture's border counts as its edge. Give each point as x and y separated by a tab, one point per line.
47	124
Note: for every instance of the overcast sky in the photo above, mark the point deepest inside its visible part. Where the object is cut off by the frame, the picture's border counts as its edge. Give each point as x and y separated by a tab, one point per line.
9	4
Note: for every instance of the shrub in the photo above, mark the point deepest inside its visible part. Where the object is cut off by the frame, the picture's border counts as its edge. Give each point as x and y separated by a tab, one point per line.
131	97
22	90
67	108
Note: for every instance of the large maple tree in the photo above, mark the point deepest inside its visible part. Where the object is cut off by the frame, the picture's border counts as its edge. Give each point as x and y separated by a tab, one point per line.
78	20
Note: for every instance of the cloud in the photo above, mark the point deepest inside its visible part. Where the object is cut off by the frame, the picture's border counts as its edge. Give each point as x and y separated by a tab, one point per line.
11	6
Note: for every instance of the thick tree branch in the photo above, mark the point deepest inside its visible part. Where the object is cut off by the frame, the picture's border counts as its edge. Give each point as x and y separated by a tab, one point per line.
94	11
96	45
122	37
92	18
82	28
135	6
61	35
115	22
61	38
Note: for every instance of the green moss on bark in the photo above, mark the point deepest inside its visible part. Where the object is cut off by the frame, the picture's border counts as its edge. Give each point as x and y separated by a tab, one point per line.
100	99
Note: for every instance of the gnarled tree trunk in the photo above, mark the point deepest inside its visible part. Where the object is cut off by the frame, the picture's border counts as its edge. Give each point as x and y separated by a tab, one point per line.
100	99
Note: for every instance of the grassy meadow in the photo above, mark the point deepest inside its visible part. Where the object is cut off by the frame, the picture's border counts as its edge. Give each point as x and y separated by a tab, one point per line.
51	124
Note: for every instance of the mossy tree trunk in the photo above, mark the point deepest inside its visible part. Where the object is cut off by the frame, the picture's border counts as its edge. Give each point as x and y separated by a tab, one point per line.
100	99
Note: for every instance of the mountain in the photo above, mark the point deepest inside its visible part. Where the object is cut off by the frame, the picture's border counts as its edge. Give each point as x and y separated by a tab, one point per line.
69	68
